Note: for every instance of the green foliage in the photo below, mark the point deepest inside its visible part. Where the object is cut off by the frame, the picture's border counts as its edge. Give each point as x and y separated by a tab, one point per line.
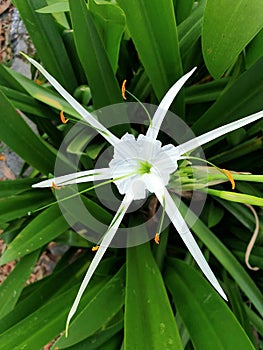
220	41
203	311
147	297
151	320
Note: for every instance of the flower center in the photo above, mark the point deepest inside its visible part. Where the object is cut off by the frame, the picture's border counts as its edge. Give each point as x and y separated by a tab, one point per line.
144	167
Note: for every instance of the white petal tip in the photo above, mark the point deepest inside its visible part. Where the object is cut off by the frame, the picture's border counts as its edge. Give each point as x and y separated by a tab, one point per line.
223	295
43	184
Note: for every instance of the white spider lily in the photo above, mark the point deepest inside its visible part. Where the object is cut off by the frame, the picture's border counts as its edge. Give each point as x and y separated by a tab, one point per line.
140	166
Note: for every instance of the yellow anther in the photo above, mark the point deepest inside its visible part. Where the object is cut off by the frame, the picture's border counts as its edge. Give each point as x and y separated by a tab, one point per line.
230	178
62	117
94	249
157	238
53	185
123	89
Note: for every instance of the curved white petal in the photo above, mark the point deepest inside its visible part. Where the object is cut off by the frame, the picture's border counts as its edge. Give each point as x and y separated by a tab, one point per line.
112	139
165	104
213	134
183	230
101	251
81	176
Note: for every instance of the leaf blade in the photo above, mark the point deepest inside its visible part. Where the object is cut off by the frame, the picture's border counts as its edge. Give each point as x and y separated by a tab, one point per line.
151	317
224	39
204	313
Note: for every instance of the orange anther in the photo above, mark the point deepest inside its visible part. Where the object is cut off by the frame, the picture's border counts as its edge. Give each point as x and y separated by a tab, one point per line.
94	249
157	238
62	117
2	158
230	178
39	82
123	89
53	185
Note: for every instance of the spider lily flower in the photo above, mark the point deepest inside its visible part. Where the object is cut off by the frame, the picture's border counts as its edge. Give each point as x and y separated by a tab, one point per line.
141	166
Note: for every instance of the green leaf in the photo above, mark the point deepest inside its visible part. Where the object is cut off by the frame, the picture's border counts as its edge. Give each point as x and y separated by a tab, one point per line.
209	91
110	22
44	324
26	103
47	40
43	291
214	215
94	317
16	206
13	285
60	17
153	30
41	230
242	98
183	9
240	212
254	50
236	197
189	31
204	313
148	312
101	340
93	56
41	93
255	320
12	187
16	133
7	80
61	6
228	27
224	256
238	307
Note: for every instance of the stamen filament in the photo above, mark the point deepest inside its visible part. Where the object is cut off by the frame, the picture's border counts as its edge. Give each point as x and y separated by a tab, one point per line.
123	91
159	230
81	192
224	171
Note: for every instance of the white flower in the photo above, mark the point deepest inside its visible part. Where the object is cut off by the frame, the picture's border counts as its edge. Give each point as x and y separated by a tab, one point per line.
140	166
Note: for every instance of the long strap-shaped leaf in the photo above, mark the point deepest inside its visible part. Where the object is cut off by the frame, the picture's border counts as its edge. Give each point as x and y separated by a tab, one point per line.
153	29
93	56
47	40
204	313
148	313
224	256
15	132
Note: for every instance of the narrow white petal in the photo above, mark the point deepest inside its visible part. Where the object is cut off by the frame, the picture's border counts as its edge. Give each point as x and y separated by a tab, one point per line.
82	176
165	104
213	134
112	139
183	230
101	251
